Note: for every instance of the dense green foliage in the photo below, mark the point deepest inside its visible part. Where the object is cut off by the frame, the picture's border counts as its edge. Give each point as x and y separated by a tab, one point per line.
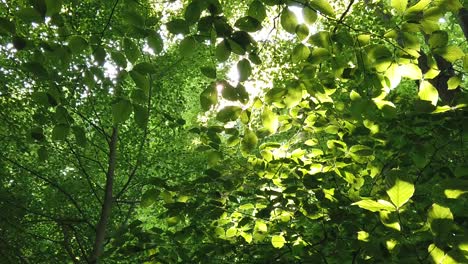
211	131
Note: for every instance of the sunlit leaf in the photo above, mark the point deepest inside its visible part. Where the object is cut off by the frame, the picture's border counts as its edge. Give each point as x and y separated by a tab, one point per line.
399	5
375	206
401	192
278	241
427	92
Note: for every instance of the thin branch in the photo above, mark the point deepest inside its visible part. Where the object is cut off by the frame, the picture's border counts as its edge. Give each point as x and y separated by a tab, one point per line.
340	21
51	183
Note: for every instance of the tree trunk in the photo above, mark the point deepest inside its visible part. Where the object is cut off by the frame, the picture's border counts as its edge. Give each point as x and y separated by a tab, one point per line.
107	203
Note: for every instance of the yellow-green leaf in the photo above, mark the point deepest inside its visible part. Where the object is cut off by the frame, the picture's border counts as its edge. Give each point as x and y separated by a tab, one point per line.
323	6
288	21
400	5
278	241
375	206
401	192
427	92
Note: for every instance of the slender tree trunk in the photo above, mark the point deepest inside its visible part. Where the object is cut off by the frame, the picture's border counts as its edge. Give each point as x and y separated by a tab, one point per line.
107	202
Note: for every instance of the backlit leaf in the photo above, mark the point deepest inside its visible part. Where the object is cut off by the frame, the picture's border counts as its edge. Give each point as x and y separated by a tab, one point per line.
323	6
155	42
374	206
249	141
288	21
177	26
257	10
300	52
401	192
399	5
427	92
248	24
192	12
278	241
229	113
188	46
310	16
209	97
244	69
222	51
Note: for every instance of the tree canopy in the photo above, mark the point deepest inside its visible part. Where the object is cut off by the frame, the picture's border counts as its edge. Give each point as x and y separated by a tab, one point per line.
233	131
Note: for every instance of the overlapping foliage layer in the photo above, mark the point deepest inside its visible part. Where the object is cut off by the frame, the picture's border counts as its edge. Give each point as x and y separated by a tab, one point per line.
260	131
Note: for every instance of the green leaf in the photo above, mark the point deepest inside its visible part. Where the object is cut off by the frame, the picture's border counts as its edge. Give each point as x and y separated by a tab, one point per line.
249	141
80	136
410	71
99	55
42	153
323	6
37	69
121	110
141	81
300	52
53	7
450	53
119	59
439	256
178	26
132	52
278	241
192	12
438	39
29	15
77	44
144	68
222	51
37	134
7	27
155	42
149	197
141	115
374	206
400	193
288	21
310	15
244	69
269	120
60	132
228	113
209	72
302	32
439	212
399	5
257	10
209	97
248	24
427	92
188	46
